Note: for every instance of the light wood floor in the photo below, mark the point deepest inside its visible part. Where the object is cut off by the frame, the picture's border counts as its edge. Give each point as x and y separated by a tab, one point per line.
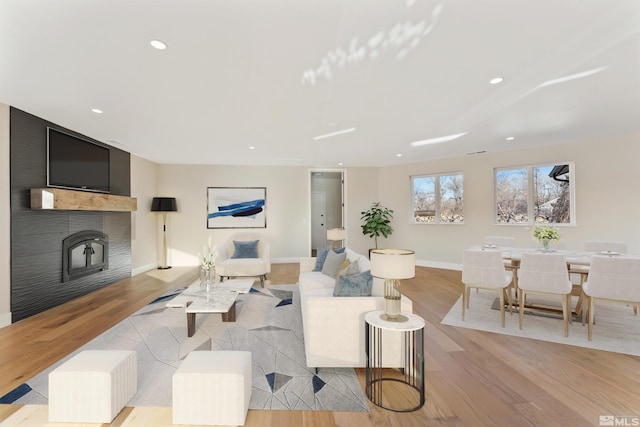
473	378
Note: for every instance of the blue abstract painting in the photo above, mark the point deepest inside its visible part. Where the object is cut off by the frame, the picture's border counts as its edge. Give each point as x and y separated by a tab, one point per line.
236	207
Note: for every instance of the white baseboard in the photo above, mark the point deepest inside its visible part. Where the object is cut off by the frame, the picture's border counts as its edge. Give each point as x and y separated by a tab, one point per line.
289	260
5	319
438	264
143	269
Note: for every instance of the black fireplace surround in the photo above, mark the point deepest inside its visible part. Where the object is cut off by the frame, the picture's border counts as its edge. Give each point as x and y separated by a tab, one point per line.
38	269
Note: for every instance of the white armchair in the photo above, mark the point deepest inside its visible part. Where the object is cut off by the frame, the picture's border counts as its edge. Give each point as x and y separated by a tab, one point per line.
238	263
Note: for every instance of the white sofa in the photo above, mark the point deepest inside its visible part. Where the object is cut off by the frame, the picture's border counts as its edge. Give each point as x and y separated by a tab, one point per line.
334	332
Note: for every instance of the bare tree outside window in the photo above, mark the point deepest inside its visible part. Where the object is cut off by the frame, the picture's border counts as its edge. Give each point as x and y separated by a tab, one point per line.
424	199
534	194
512	196
451	201
437	199
552	194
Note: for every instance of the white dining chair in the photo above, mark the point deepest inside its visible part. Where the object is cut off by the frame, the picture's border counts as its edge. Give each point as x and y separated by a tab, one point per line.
596	246
545	274
504	242
484	270
603	246
612	278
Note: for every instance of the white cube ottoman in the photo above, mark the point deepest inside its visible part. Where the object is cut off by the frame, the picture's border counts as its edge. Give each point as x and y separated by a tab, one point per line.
212	387
93	386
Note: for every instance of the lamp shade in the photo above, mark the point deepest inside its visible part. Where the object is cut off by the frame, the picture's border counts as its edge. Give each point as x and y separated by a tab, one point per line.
393	263
164	204
336	234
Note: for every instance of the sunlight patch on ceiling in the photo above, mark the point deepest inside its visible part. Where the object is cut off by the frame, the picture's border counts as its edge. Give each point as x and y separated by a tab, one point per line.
398	40
572	77
438	140
336	133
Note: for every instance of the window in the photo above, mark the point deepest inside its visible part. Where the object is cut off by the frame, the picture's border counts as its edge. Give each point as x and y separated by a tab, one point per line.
541	194
437	199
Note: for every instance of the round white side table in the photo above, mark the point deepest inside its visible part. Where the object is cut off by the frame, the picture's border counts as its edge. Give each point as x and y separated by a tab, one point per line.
411	375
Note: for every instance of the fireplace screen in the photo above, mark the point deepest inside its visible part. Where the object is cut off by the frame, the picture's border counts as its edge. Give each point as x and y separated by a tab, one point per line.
84	253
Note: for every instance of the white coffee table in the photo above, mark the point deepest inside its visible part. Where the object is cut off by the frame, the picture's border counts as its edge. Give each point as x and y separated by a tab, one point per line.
221	298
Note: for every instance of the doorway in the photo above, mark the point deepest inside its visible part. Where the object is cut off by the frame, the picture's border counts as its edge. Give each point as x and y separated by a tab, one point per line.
327	206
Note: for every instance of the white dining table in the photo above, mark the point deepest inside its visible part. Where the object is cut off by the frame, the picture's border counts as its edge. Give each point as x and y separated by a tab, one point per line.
573	258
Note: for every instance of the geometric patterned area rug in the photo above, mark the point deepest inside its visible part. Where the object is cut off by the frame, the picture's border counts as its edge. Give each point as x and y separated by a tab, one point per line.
268	323
615	328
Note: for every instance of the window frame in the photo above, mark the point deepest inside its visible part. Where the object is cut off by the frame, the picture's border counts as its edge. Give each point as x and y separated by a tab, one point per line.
437	200
531	191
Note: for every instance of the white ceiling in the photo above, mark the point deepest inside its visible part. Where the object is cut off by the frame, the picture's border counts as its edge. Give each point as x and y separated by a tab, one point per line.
274	74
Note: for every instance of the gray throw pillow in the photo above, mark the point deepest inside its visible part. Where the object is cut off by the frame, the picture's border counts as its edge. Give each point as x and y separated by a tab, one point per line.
352	268
248	249
321	256
355	285
332	263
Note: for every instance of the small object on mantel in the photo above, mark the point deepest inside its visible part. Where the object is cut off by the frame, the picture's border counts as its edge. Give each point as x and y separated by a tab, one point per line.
61	199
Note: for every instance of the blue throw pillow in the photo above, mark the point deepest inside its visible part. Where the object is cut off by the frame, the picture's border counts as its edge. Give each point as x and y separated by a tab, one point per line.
321	256
356	285
248	249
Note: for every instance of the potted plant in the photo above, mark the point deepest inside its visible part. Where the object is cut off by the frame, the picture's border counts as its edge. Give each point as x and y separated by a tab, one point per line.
377	222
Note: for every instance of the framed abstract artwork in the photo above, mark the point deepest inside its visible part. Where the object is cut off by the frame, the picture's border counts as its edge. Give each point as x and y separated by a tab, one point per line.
236	207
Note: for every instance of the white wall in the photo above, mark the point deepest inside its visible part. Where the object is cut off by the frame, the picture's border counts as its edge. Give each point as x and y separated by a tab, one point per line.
361	191
287	209
607	204
144	223
5	218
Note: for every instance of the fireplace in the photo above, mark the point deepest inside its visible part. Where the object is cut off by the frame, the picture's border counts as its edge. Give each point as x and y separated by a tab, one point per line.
84	253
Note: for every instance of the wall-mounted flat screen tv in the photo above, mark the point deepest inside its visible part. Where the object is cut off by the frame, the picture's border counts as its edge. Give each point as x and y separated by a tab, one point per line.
76	163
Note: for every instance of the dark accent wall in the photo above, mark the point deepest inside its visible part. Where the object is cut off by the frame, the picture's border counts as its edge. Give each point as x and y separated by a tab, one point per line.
36	236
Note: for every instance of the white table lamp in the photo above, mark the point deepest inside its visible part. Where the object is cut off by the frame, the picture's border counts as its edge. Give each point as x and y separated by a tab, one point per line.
336	234
392	265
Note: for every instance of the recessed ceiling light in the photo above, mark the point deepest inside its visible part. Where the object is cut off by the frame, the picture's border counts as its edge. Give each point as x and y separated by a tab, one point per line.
97	111
496	80
438	139
399	155
511	138
340	164
158	44
336	133
252	148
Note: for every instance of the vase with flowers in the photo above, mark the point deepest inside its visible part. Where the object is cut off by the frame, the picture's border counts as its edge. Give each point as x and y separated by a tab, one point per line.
546	234
208	265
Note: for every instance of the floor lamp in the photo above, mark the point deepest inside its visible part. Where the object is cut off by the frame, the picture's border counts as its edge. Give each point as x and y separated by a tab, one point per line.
164	205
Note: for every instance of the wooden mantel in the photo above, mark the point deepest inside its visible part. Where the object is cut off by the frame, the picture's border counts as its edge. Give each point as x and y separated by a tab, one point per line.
61	199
